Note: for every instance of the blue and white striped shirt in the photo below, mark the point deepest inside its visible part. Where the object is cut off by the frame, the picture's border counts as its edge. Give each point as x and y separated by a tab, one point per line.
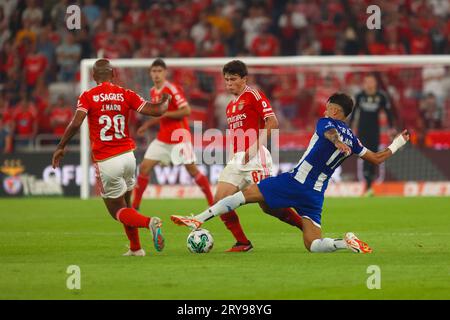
321	157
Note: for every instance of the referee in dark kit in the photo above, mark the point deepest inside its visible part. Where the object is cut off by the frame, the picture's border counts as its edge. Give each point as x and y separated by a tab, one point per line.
368	104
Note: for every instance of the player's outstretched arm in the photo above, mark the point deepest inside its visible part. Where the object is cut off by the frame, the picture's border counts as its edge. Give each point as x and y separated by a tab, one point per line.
381	156
71	130
179	113
156	109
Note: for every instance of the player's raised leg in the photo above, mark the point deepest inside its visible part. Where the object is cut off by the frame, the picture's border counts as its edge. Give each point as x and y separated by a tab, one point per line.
143	179
250	195
202	181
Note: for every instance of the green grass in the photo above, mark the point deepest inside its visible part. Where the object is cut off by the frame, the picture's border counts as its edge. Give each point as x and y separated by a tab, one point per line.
40	238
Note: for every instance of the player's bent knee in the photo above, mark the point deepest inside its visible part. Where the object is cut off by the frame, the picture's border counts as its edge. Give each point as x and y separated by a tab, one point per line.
145	168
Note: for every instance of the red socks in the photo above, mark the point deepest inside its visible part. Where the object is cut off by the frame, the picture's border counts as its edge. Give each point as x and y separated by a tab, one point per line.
231	221
131	218
288	216
142	183
133	236
203	183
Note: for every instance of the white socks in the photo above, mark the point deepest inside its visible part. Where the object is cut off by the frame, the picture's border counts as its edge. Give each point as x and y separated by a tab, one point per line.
223	206
327	245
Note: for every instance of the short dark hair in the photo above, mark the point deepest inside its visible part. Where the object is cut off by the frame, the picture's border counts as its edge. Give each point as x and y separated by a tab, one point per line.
235	67
158	63
344	101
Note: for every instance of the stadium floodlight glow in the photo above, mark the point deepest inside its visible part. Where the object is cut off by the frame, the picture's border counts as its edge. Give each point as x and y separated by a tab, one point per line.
295	61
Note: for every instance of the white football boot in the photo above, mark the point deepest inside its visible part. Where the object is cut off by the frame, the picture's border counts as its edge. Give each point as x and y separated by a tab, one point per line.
137	253
356	245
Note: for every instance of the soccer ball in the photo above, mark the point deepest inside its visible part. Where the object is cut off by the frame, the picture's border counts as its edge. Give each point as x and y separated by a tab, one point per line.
200	241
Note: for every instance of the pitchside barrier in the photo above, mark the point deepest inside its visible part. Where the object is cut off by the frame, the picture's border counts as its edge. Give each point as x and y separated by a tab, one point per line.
411	172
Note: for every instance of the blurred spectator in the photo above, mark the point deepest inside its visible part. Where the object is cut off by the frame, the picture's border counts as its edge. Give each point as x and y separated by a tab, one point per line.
184	46
6	128
213	46
440	8
393	45
34	67
85	42
123	40
253	24
33	14
374	45
439	37
25	120
223	23
58	14
433	77
45	45
351	44
91	12
291	22
199	31
68	57
25	35
420	42
231	7
285	101
431	112
9	7
326	32
265	45
60	116
5	33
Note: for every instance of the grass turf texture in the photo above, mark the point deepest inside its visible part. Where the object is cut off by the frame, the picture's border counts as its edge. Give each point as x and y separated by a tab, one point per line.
40	238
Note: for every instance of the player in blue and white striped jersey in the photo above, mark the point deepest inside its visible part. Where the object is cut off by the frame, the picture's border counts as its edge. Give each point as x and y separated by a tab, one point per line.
304	187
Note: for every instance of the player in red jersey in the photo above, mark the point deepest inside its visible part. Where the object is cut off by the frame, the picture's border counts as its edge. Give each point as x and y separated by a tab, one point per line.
106	107
246	115
166	148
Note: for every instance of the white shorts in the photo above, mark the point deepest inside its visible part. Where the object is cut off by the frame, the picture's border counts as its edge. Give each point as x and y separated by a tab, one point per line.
254	171
116	175
166	153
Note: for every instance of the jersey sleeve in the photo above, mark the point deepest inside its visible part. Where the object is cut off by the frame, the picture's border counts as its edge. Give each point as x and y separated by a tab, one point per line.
358	148
135	101
323	125
83	104
178	98
262	105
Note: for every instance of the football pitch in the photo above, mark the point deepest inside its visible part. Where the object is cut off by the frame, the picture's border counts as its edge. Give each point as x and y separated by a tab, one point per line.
40	238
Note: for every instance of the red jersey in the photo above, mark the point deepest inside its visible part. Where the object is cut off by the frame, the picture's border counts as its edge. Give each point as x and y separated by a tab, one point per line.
34	66
62	117
168	125
25	121
107	107
248	111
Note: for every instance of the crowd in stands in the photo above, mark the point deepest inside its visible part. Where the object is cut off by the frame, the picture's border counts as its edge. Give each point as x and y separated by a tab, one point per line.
38	54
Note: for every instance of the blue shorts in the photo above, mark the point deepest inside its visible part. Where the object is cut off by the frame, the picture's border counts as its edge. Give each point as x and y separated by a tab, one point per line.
283	191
